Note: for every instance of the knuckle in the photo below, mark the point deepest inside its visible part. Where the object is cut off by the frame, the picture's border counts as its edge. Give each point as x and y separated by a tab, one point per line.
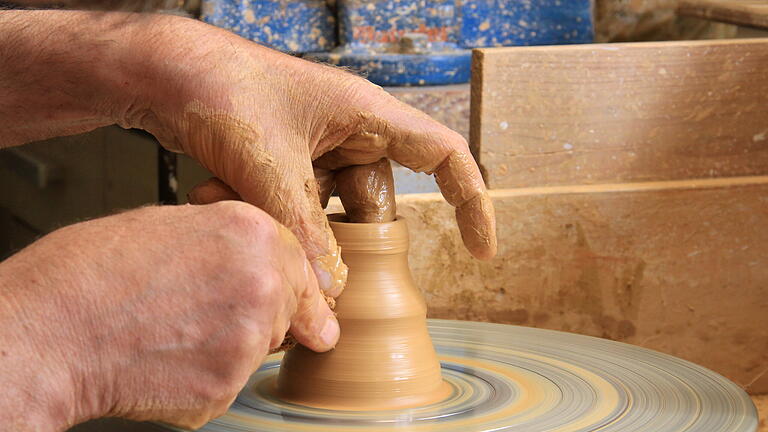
229	390
279	333
306	296
270	286
242	217
192	422
236	347
459	140
219	396
264	289
227	383
221	408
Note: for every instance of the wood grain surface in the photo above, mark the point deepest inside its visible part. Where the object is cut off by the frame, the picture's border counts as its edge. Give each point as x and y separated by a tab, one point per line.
610	113
752	13
447	104
676	266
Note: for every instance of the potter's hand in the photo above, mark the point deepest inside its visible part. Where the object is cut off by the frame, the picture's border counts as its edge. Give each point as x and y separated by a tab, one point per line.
160	313
266	123
263	122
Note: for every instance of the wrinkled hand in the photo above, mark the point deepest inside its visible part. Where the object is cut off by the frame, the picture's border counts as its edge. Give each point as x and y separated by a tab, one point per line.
274	127
160	313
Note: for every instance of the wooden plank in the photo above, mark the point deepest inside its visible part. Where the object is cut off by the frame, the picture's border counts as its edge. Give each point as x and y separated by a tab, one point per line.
103	170
750	13
78	195
611	113
677	266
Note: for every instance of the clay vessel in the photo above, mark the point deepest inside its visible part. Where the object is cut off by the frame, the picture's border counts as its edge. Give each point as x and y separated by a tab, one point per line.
384	358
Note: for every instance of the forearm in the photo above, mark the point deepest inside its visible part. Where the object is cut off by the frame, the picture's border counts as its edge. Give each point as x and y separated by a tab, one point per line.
67	72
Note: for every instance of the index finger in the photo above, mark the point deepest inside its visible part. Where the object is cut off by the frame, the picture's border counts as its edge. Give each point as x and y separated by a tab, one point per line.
388	127
446	154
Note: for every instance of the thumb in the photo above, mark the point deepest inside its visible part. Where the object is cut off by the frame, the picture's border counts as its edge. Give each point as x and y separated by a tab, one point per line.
313	324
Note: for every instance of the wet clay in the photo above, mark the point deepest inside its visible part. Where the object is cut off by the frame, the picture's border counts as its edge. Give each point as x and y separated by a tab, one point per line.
385	358
332	266
368	192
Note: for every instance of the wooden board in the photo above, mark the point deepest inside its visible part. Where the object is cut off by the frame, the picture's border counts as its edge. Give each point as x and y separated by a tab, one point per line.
447	104
103	170
677	266
609	113
751	13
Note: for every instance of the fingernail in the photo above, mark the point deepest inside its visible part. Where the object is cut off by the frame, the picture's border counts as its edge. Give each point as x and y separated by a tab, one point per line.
324	280
331	274
330	332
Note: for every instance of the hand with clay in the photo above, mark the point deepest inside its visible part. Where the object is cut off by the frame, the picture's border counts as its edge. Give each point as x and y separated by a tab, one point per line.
273	128
160	313
97	315
270	126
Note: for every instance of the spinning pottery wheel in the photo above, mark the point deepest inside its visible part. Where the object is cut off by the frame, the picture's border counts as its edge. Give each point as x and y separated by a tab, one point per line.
514	378
485	377
384	373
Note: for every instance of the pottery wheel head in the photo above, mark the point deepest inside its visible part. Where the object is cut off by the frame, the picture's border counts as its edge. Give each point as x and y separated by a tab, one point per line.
509	378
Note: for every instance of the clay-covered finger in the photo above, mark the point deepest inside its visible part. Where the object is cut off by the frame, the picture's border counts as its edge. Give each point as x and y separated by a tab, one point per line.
446	154
462	186
211	191
413	139
293	200
313	323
